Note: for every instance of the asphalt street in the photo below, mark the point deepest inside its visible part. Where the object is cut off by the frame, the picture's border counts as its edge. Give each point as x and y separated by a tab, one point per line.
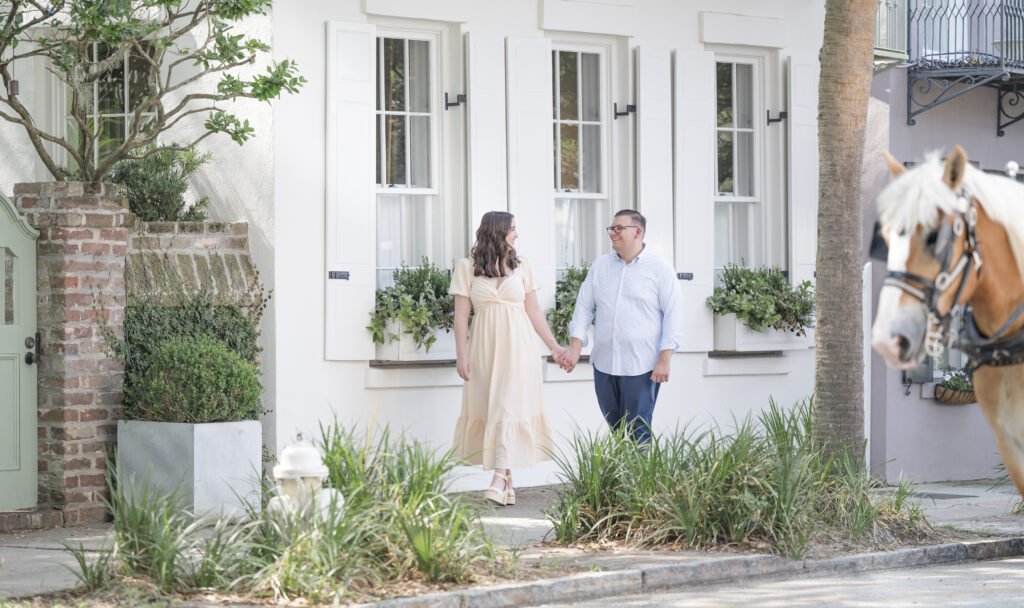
981	583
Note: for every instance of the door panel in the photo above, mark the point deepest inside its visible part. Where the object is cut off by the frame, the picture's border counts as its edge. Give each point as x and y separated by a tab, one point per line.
18	406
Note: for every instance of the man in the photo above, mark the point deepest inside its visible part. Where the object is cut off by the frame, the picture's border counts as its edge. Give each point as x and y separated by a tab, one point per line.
638	304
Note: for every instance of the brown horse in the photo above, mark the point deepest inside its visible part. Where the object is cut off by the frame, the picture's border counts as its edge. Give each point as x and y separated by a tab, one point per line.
956	242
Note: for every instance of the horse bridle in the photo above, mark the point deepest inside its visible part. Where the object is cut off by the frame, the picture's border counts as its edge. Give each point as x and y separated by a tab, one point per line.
994	350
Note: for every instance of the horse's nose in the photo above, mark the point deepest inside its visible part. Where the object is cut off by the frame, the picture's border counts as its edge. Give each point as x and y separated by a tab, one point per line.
892	349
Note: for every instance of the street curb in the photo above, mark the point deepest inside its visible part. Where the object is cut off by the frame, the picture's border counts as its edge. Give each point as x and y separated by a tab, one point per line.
661	577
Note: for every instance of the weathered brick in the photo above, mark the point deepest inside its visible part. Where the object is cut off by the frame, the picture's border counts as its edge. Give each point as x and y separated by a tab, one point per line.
93	414
71	482
58	415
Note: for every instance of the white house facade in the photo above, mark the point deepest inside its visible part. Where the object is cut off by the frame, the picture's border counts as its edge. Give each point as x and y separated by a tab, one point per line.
421	115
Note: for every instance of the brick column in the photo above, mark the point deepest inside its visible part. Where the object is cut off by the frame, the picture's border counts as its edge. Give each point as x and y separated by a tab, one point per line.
83	239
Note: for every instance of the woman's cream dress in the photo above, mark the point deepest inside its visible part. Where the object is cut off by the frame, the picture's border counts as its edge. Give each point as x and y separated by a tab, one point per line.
502	424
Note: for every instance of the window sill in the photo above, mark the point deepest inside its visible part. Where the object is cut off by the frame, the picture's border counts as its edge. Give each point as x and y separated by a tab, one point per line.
422	374
766	363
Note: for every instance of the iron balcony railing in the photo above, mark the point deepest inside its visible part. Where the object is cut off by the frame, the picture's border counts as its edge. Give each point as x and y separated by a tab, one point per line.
966	34
891	29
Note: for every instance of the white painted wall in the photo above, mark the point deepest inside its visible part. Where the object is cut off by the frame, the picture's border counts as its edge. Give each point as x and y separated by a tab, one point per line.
913	435
311	390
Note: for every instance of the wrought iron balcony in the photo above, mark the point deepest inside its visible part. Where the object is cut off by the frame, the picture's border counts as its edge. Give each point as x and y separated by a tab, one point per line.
959	45
890	34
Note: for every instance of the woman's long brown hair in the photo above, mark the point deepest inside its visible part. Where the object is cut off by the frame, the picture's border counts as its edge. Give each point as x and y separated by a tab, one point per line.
491	254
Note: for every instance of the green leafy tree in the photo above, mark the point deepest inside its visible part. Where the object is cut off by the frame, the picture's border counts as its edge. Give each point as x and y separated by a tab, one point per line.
172	47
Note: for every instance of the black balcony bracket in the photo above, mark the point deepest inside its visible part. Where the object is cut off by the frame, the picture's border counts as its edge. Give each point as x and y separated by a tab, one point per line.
783	115
459	99
925	90
1010	107
615	110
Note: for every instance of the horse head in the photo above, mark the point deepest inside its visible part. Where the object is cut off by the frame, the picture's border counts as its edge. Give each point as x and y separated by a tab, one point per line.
927	219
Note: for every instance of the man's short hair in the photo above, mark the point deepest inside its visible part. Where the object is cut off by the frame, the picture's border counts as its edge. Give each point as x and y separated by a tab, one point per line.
634	216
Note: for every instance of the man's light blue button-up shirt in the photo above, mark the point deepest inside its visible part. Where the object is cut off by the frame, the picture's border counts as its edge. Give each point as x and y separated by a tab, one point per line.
639	313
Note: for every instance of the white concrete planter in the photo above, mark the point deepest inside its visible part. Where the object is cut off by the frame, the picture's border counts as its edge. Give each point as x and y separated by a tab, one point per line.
405	349
213	466
732	334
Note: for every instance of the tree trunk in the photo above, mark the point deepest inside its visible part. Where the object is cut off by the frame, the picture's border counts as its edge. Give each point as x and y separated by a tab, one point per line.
843	90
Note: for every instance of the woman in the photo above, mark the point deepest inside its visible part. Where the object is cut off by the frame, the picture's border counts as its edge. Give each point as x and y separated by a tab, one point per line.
502	423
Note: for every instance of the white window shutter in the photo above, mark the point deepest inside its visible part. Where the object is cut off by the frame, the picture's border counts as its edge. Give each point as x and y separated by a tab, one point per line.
694	135
351	204
531	156
485	96
803	168
654	147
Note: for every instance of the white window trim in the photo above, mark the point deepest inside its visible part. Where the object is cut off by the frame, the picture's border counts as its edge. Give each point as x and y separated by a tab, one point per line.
436	39
604	52
770	143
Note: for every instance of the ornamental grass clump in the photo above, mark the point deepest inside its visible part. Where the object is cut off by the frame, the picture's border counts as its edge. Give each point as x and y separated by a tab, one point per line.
399	525
762	485
762	297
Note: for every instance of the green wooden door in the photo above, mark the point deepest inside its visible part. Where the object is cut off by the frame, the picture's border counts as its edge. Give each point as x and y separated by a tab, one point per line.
18	475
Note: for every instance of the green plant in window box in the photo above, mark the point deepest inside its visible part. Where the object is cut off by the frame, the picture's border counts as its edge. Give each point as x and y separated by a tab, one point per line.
566	290
419	299
762	297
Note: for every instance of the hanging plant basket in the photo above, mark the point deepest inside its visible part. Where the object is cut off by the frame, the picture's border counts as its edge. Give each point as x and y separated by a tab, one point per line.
952	396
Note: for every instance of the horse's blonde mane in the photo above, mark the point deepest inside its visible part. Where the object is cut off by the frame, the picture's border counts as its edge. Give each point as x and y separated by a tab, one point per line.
917	196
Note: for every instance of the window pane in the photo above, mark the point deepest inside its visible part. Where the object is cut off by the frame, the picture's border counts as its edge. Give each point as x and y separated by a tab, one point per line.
745	164
408	228
380	130
138	81
591	74
579	231
725	185
724	88
570	157
569	98
554	84
111	92
722	234
591	158
7	286
744	95
380	71
394	145
419	76
419	151
112	135
394	74
557	155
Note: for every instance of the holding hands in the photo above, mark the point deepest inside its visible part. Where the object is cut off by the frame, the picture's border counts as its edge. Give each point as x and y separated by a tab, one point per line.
567	358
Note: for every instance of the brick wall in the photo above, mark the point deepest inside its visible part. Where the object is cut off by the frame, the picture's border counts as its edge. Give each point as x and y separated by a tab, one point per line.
88	245
83	239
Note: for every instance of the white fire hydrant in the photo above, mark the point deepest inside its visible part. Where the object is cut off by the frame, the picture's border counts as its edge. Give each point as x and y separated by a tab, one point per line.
300	478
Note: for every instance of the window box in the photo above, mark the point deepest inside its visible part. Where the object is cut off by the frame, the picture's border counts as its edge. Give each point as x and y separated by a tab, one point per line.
405	349
731	334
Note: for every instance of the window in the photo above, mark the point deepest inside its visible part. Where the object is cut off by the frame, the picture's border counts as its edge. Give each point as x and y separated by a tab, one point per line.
738	201
580	131
114	99
409	209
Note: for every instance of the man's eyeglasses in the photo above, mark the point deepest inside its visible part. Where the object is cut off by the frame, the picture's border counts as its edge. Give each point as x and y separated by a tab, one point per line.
619	229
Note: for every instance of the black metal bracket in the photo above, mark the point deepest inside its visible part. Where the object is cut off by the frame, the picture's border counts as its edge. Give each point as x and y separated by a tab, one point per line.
1009	107
338	274
629	108
927	89
783	115
684	276
459	99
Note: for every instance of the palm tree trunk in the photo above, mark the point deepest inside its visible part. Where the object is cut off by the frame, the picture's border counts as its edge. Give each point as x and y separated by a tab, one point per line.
843	90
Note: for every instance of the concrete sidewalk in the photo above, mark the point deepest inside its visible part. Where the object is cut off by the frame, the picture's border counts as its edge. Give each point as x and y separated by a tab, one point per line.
35	561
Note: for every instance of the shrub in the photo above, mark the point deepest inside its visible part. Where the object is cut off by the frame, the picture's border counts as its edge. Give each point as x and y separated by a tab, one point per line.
762	297
419	299
761	485
155	186
196	380
160	305
566	290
